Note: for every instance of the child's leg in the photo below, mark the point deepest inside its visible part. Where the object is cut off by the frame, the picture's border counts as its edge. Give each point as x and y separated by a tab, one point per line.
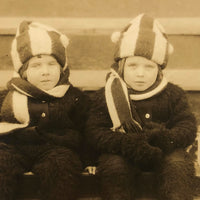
176	177
11	170
59	172
116	178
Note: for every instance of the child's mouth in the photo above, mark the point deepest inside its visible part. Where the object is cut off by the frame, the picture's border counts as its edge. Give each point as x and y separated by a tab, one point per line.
44	81
139	82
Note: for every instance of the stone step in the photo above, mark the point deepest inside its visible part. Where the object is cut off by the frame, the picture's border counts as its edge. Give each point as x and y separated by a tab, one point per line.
90	187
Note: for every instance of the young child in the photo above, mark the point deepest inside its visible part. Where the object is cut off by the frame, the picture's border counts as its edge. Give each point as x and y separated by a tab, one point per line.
139	121
41	116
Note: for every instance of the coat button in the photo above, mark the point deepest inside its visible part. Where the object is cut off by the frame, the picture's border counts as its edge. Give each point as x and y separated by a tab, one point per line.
43	114
147	115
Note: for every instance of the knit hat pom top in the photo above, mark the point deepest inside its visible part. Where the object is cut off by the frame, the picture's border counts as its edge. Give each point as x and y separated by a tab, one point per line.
143	36
34	39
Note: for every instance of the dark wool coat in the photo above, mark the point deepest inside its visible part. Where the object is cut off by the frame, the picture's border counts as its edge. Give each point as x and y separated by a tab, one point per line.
50	147
167	124
58	122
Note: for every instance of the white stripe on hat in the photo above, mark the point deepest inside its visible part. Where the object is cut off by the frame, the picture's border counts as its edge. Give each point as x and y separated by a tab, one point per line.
129	38
15	55
128	44
63	38
135	23
160	46
43	26
40	41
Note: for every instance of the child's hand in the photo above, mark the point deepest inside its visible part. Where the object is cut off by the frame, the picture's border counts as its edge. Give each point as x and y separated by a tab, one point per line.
165	141
159	136
91	170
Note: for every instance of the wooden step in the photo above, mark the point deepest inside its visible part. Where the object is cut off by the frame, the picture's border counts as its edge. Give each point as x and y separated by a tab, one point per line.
90	187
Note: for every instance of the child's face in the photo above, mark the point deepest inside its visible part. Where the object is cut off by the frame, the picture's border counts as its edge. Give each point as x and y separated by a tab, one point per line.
43	71
140	73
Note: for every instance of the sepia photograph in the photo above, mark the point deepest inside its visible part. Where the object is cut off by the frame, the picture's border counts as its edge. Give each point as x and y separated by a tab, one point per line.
99	100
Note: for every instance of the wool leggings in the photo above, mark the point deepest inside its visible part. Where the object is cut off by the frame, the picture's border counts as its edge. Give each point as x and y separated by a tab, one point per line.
174	177
58	169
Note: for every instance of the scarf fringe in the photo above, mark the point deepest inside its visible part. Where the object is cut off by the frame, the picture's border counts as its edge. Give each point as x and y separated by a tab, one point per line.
131	127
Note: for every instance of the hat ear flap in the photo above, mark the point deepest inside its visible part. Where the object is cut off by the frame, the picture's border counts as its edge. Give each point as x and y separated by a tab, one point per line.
115	36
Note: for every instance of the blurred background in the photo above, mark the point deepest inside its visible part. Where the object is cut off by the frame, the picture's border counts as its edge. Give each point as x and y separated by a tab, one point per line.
89	24
92	50
99	8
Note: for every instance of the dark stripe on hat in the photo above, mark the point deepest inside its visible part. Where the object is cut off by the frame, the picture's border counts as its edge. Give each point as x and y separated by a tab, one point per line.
126	28
120	101
57	48
146	38
23	46
146	22
24	26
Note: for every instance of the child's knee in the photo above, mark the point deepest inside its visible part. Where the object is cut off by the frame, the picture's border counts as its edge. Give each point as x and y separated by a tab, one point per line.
178	162
59	161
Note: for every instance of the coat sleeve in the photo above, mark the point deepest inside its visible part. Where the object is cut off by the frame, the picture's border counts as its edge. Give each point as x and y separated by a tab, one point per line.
104	140
180	130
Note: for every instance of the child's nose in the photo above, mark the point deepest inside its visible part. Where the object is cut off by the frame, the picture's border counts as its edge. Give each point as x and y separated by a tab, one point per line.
140	71
45	69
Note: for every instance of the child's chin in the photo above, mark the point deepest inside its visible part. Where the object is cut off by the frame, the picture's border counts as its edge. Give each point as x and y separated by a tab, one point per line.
46	87
140	88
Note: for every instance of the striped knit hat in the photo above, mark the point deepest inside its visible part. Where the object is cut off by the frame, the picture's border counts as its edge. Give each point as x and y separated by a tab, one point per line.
143	36
33	39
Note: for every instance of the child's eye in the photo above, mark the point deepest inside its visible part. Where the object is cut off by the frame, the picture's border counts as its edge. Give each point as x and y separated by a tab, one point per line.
132	66
35	65
149	66
52	63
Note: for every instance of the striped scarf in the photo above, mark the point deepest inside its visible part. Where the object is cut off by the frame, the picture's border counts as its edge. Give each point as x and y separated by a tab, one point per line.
124	117
15	112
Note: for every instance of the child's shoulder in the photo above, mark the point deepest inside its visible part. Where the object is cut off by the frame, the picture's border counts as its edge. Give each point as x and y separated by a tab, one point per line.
76	94
175	93
75	91
174	89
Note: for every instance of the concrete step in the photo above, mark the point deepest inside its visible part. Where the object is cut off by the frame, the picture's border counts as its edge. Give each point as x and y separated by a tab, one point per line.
90	187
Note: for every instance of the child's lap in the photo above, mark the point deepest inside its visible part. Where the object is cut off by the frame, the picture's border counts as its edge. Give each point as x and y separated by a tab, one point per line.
27	156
